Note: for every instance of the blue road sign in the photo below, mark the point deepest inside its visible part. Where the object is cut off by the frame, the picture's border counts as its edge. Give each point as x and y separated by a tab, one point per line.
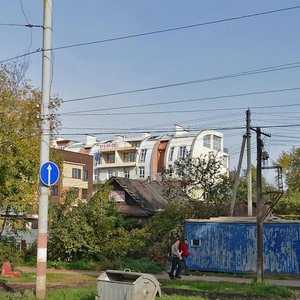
49	173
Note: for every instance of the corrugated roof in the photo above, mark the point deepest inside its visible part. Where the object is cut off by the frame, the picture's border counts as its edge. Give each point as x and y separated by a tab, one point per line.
148	195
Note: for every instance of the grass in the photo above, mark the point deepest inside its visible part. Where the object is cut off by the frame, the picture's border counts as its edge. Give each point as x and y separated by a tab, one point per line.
52	279
144	265
77	294
86	288
254	289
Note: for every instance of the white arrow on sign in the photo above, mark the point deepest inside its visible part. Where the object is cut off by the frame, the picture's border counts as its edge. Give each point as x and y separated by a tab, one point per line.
49	168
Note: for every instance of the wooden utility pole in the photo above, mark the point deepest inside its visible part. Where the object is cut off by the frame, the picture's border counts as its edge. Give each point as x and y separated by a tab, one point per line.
259	219
249	176
259	206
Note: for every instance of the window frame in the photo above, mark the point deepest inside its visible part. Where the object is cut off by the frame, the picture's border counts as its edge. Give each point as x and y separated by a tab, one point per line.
171	154
217	143
182	152
207	141
141	172
143	155
76	173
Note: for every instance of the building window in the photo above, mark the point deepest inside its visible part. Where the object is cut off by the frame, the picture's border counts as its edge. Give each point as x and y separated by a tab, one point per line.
54	190
76	173
195	243
85	175
129	157
142	172
126	173
182	152
143	155
225	161
111	157
97	158
109	173
217	142
96	174
206	141
84	193
171	153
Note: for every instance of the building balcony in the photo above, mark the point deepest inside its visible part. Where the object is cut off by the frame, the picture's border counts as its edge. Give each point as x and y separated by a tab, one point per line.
115	165
108	148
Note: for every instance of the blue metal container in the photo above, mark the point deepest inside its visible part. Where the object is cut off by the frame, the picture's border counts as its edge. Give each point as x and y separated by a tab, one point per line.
231	246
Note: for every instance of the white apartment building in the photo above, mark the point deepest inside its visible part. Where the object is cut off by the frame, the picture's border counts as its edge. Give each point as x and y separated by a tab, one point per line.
146	156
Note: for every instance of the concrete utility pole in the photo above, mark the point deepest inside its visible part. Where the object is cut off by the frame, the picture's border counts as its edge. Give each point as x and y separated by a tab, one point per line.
44	152
249	176
237	176
259	219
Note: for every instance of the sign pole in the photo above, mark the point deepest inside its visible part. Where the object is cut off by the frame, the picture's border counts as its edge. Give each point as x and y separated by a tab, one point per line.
44	152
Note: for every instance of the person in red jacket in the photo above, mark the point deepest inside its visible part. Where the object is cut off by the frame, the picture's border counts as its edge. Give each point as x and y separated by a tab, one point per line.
184	248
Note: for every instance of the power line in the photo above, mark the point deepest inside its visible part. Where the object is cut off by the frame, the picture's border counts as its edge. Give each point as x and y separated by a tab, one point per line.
21	55
152	112
182	111
192	100
178	28
164	30
190	130
221	77
21	25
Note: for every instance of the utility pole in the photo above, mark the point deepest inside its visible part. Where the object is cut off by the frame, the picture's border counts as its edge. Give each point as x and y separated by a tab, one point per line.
259	206
249	176
44	152
259	219
237	176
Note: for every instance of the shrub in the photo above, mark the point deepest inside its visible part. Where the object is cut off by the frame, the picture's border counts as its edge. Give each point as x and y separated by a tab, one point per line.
8	251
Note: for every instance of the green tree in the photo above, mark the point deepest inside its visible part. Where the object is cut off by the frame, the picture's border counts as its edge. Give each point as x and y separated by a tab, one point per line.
242	192
290	162
197	179
92	230
19	144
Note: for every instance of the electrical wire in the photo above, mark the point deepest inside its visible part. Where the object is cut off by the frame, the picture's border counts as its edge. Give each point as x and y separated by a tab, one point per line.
177	28
78	113
194	129
281	67
190	100
165	30
21	25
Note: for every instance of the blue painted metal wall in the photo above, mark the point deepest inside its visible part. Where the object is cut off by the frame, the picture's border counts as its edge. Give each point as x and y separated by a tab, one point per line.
231	247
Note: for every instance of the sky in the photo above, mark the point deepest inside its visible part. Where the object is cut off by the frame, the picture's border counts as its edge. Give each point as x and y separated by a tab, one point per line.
201	53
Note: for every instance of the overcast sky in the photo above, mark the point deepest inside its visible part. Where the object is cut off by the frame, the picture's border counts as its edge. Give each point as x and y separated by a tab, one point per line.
191	54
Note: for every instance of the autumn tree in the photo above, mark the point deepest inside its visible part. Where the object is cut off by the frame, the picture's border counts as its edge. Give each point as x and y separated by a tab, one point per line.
19	144
290	162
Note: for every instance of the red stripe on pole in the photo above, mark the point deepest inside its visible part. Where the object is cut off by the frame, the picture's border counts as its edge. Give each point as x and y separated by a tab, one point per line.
42	240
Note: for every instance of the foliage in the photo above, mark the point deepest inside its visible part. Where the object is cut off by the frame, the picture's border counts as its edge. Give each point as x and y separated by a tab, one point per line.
19	145
201	178
142	265
290	162
8	251
289	205
242	192
93	230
